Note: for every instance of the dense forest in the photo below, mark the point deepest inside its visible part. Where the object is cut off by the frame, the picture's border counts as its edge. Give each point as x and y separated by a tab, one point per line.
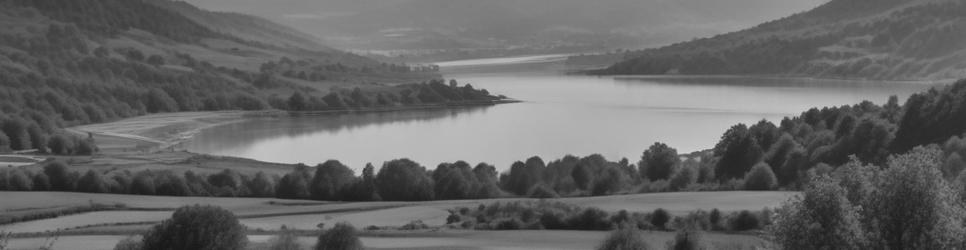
763	156
895	39
62	66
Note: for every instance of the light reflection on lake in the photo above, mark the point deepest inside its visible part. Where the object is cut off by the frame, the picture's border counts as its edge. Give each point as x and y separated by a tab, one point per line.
580	115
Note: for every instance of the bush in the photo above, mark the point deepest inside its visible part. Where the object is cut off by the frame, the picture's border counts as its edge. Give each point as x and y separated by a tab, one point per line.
761	178
341	237
197	228
129	243
745	221
590	219
624	239
687	238
509	224
541	191
660	218
285	240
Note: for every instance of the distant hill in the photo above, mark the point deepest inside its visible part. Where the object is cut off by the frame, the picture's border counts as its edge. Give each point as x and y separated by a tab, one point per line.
71	62
245	27
870	39
526	25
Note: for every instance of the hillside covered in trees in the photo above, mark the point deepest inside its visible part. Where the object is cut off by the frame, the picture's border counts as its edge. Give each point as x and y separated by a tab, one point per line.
871	39
71	62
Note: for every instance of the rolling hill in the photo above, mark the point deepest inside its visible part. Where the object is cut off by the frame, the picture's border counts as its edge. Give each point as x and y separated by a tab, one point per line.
70	62
866	39
533	24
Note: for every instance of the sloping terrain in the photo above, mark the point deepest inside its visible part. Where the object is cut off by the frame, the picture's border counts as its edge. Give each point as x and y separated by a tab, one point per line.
872	39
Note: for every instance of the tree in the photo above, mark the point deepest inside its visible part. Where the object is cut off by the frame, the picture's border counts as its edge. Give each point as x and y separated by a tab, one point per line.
659	161
914	206
822	217
341	237
19	181
285	240
523	176
294	185
627	238
687	238
582	176
92	182
331	181
684	177
297	102
60	144
16	130
740	152
365	188
761	178
455	181
404	180
262	185
197	228
660	218
60	179
129	243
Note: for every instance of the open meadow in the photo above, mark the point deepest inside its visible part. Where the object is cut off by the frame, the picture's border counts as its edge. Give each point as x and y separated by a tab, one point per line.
271	214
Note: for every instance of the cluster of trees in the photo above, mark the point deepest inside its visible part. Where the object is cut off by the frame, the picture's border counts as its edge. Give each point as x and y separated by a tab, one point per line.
431	92
907	203
542	215
214	228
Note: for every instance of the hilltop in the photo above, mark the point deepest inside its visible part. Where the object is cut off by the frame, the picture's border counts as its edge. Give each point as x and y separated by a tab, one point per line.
866	39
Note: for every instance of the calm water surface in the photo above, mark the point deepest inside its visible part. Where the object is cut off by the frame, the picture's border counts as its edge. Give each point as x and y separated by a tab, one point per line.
580	115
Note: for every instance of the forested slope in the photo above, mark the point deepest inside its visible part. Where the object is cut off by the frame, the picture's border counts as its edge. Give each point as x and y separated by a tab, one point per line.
69	62
874	39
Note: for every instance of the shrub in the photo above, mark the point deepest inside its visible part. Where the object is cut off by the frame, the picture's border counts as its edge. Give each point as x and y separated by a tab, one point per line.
414	225
761	178
660	218
341	237
685	176
285	240
453	218
197	228
541	191
590	219
509	224
129	243
687	238
624	239
745	221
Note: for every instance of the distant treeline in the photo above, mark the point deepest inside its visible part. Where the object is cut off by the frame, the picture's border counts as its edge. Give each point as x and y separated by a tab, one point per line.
540	215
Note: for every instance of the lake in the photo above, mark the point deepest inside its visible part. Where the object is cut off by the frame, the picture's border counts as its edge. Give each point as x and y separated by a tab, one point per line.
560	114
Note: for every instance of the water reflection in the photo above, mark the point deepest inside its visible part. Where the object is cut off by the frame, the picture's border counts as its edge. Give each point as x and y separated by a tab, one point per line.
580	115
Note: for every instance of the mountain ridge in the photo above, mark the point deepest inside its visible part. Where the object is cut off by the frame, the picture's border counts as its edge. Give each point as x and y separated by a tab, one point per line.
894	39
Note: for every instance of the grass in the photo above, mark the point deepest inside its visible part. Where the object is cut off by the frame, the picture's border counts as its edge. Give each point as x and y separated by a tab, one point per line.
270	214
563	240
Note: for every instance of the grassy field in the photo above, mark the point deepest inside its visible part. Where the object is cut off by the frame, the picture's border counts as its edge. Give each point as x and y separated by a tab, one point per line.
457	239
270	214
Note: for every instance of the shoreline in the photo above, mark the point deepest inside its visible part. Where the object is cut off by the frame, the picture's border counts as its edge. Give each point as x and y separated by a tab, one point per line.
168	131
